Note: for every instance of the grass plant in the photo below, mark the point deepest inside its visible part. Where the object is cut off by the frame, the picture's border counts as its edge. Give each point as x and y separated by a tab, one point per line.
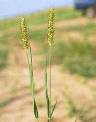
50	107
26	46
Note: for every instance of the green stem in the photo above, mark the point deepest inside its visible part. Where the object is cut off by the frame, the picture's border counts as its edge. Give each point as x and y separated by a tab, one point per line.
46	89
29	58
49	120
50	80
50	73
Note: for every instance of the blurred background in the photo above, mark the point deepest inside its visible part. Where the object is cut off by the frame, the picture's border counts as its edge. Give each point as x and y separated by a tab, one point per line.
73	64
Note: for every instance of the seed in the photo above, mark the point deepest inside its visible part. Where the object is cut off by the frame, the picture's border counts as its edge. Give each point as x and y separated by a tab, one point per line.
51	29
24	35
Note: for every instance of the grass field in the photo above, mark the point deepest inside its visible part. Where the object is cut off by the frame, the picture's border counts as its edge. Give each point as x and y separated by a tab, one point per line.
9	32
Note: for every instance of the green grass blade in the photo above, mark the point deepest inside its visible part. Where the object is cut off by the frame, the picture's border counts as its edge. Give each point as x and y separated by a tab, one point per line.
36	110
29	58
48	104
46	89
52	110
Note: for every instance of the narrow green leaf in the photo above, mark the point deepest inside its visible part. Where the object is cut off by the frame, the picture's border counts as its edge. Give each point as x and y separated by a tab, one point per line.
46	89
48	104
35	109
53	108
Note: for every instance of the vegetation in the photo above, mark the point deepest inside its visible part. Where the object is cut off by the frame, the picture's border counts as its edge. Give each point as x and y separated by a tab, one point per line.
79	113
74	55
9	31
3	58
4	103
27	47
39	35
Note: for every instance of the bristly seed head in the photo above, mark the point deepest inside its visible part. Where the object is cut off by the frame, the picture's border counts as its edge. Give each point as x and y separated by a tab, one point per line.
51	29
24	36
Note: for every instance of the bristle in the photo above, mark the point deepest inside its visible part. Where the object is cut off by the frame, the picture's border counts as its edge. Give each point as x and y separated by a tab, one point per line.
51	27
24	36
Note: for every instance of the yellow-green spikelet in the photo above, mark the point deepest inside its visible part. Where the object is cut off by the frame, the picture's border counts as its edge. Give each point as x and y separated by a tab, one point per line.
51	29
24	36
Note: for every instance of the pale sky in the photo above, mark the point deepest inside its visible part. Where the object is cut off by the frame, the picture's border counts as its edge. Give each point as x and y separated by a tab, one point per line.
14	7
